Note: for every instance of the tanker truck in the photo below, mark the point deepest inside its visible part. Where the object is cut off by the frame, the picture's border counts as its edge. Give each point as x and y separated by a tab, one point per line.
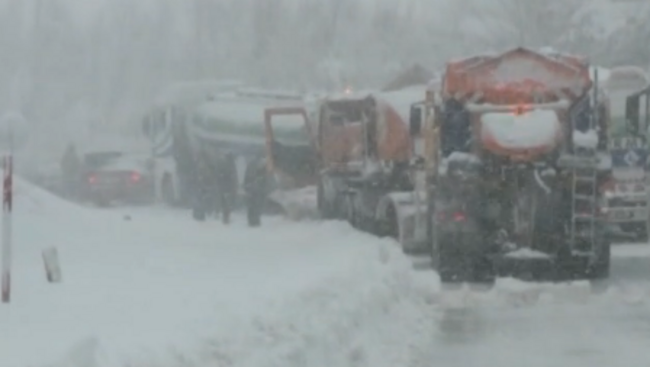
213	117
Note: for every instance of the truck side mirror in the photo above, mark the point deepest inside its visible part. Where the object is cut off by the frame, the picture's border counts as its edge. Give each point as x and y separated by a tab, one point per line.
415	120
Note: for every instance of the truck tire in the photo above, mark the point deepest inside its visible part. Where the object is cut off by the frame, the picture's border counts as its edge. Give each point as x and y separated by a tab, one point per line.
447	261
390	226
325	207
599	273
462	259
351	214
600	269
642	234
167	190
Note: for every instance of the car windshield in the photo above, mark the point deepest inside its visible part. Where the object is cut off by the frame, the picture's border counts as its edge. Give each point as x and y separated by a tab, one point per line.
97	160
344	112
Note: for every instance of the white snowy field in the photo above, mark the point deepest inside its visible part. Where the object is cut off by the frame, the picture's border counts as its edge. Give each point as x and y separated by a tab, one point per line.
161	290
161	286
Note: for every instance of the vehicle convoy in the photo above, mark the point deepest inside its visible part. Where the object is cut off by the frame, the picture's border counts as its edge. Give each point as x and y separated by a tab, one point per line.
509	178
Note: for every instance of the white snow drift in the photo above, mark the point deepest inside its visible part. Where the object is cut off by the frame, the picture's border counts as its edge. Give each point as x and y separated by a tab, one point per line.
156	289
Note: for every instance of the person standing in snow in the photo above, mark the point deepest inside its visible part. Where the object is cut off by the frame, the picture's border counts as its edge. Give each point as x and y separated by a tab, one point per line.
71	170
255	182
227	184
205	195
185	163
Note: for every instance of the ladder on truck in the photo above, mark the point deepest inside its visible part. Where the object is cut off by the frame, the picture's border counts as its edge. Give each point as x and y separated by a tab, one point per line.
584	189
584	208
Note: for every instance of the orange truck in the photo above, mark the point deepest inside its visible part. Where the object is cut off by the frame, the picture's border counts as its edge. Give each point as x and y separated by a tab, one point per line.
515	180
360	152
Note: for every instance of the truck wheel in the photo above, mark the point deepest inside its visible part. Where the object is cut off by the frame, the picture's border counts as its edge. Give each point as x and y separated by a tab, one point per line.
167	190
326	209
482	271
600	269
447	261
390	227
350	212
599	273
642	234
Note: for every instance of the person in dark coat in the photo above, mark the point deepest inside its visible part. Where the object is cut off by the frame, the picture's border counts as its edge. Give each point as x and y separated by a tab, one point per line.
255	185
205	196
227	184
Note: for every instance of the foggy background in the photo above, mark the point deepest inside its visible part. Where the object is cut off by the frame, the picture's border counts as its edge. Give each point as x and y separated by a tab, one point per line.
79	69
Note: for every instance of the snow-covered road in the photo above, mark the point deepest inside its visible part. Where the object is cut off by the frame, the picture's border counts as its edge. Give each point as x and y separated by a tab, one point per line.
157	289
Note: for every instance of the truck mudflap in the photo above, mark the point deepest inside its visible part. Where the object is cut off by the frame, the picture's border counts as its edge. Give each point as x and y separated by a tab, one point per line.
531	265
525	264
410	217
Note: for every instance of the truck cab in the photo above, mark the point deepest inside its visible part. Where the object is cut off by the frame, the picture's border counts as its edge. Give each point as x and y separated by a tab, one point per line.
627	197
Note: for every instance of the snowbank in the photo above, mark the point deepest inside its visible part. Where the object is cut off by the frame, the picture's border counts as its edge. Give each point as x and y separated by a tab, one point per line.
156	284
30	200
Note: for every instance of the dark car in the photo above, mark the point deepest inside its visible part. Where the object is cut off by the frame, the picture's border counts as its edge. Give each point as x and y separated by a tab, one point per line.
117	177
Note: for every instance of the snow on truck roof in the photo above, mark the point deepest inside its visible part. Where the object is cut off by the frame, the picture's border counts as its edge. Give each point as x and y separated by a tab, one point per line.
349	95
402	100
193	91
249	113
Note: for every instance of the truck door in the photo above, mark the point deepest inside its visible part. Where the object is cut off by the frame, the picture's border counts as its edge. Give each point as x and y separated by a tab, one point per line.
290	150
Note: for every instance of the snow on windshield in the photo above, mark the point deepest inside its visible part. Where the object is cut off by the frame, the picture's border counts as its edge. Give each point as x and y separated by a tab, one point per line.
518	70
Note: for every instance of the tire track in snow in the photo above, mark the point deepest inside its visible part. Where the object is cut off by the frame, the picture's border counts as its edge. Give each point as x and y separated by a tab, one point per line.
384	314
391	316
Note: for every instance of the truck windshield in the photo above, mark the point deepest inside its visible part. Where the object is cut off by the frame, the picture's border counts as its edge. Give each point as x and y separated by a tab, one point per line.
618	94
344	112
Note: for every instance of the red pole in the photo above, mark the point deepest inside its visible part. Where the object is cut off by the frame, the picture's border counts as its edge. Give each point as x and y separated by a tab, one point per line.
7	200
